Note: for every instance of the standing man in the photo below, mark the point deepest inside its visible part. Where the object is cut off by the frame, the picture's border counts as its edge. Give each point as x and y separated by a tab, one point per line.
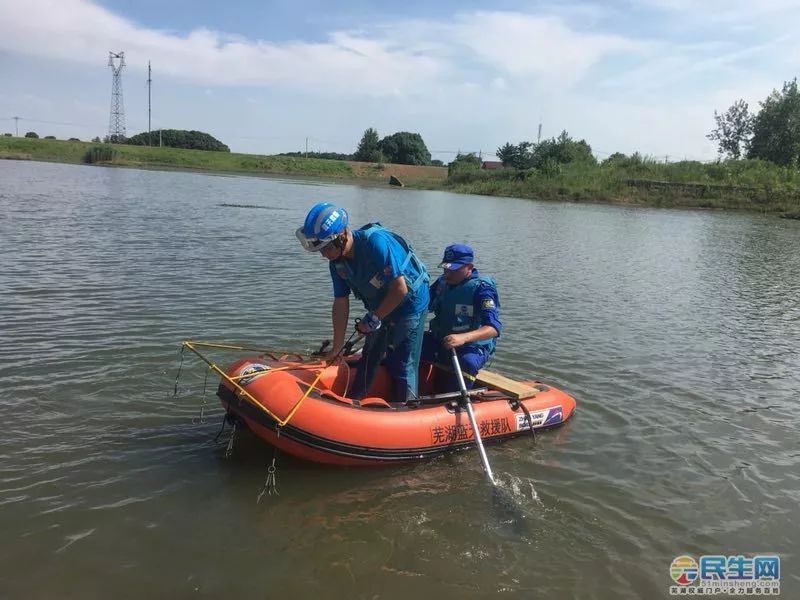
466	309
382	271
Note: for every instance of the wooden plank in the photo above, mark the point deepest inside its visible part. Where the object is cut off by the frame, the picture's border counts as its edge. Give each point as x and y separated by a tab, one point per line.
505	384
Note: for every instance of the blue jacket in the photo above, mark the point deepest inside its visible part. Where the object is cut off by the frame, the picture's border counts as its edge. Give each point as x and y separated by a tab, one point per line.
379	257
467	306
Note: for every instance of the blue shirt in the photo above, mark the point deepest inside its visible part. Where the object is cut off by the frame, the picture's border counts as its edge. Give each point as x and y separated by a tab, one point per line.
381	249
486	302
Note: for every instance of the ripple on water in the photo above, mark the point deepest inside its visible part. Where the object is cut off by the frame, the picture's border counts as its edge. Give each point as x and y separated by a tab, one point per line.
677	332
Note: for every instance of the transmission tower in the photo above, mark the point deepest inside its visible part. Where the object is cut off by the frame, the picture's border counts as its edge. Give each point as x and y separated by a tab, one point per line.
116	120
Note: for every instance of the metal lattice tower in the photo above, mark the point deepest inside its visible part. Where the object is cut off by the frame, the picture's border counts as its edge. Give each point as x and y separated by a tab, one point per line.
116	121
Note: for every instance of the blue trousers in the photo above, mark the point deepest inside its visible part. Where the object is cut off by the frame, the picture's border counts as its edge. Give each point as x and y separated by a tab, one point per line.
471	357
400	341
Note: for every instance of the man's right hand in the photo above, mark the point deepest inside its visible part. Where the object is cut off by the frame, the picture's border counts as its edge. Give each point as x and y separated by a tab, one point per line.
334	356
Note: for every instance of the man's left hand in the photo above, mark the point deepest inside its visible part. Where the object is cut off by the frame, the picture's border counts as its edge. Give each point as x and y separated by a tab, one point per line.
370	323
454	340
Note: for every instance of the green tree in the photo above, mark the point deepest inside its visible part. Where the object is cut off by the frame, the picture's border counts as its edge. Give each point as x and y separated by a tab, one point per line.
49	137
507	154
32	134
405	148
562	150
96	139
776	127
733	130
8	135
179	138
369	147
73	140
463	163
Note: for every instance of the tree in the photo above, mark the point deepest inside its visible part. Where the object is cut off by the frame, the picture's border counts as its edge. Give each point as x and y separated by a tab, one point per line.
405	148
8	135
733	130
561	150
96	139
776	127
32	134
49	137
73	140
518	156
463	163
179	138
555	151
369	147
507	154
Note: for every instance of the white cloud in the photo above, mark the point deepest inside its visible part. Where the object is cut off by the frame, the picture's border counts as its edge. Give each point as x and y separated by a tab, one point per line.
77	30
399	60
473	80
523	45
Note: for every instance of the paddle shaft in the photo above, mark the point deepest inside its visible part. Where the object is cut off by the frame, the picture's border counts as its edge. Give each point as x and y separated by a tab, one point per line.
475	432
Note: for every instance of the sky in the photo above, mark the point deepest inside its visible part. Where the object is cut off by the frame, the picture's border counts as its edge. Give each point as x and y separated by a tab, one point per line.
270	76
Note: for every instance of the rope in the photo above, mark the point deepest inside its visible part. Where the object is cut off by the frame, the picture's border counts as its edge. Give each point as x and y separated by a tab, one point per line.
243	392
271	351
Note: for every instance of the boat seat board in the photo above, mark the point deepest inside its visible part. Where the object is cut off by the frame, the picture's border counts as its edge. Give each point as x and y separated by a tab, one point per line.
515	389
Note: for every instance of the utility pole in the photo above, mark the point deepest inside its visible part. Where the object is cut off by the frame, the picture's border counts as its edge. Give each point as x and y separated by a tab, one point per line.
306	148
539	135
149	85
16	125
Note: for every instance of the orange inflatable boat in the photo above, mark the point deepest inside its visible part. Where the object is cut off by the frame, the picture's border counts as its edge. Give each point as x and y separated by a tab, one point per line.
300	405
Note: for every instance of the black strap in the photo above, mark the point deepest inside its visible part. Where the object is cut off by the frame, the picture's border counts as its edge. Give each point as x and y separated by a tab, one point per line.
530	421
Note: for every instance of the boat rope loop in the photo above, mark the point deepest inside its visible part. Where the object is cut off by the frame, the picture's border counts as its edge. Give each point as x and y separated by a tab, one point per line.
231	440
180	368
202	419
271	484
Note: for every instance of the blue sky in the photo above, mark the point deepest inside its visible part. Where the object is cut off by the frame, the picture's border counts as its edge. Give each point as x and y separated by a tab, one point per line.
264	76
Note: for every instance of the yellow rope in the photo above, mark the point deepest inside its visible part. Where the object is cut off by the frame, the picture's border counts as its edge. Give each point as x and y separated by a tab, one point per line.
246	394
299	402
249	349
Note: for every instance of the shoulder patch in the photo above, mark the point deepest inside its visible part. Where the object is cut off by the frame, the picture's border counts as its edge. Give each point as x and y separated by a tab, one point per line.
488	303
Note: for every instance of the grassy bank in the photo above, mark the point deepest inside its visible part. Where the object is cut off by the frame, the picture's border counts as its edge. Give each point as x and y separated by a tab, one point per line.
743	184
229	162
143	156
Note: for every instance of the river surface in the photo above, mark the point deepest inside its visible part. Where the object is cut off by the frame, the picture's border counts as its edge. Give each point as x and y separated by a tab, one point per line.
678	332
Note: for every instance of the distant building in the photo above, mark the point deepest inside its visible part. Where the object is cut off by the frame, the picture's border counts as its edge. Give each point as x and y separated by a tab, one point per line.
491	164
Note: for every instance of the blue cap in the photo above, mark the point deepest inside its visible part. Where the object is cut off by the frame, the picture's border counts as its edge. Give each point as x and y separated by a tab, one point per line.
456	256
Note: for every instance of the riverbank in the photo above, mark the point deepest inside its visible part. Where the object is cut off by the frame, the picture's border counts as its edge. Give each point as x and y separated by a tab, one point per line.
223	162
741	185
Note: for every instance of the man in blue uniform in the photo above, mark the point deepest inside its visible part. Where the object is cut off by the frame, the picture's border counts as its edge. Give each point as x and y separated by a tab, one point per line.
381	270
466	308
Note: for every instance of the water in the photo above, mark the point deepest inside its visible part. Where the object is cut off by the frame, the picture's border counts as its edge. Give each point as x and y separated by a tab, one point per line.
677	331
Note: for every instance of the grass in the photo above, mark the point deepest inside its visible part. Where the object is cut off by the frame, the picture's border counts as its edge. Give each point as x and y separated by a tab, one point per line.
174	158
742	184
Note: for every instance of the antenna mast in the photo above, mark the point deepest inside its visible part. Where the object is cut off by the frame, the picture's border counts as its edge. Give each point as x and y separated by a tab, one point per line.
149	85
